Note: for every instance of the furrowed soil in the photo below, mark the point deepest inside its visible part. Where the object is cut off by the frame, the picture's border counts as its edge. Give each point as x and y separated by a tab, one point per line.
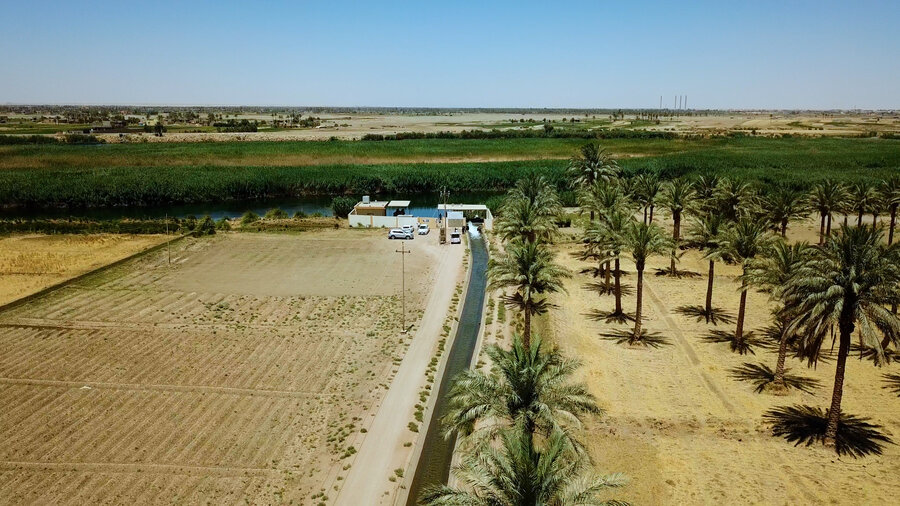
244	372
683	430
29	263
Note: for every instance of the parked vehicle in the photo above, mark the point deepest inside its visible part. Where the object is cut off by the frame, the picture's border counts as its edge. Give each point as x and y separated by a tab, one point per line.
399	233
409	228
454	238
423	229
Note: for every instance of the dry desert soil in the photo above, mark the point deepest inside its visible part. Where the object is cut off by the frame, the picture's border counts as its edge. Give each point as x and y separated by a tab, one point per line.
245	372
683	429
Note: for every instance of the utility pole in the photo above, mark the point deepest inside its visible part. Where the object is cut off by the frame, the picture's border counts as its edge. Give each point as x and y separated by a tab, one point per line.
403	251
168	242
445	194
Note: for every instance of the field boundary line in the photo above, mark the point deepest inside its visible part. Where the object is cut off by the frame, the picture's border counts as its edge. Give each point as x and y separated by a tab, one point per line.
253	392
63	284
116	467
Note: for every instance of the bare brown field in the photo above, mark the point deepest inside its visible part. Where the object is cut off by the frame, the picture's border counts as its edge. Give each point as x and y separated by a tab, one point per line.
687	433
29	263
354	126
245	372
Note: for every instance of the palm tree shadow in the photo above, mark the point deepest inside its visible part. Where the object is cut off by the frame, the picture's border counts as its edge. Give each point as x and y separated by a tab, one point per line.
762	376
714	316
870	354
801	424
743	347
892	383
604	288
677	274
610	316
645	338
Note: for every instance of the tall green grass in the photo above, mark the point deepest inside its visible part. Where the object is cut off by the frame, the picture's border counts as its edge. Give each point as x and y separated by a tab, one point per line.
93	182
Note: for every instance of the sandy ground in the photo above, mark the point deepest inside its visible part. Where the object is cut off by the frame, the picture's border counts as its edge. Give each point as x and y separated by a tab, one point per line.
29	263
354	126
368	481
687	433
246	372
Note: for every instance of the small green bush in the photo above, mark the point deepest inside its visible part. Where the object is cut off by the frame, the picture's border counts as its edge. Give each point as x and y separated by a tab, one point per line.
299	215
276	214
206	226
341	206
223	224
249	217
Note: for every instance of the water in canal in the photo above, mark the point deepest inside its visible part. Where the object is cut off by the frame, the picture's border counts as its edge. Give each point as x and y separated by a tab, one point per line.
433	467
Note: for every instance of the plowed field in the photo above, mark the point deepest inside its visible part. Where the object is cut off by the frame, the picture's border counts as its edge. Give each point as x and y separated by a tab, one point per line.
243	372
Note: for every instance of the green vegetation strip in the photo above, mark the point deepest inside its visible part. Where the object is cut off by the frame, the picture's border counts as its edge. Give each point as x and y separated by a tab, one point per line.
126	175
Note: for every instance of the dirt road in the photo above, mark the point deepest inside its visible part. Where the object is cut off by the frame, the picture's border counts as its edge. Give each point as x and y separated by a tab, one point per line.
379	456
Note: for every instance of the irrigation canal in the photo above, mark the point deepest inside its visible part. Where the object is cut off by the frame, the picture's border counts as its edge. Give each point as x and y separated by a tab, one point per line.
423	204
434	463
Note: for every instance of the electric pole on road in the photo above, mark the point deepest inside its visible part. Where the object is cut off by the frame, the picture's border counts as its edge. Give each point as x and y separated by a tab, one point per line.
403	251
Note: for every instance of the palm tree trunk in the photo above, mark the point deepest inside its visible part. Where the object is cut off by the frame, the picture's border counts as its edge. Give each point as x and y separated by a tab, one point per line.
828	227
784	224
822	231
592	215
778	381
874	219
526	334
709	289
606	274
651	213
893	222
859	219
676	235
617	275
739	332
640	299
834	413
645	215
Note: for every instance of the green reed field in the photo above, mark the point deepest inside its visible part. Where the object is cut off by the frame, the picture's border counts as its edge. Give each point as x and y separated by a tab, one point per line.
146	174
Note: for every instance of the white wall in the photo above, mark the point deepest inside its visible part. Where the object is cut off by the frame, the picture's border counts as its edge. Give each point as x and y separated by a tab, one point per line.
382	221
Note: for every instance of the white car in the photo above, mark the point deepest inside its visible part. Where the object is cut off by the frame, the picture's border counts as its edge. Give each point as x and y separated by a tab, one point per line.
409	228
423	229
399	233
454	238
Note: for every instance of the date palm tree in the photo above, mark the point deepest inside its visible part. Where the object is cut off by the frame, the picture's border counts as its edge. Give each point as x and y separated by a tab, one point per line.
644	241
707	233
677	196
771	273
827	198
611	233
782	206
743	242
706	188
735	199
846	284
646	190
529	269
864	198
591	165
890	194
529	211
520	473
531	387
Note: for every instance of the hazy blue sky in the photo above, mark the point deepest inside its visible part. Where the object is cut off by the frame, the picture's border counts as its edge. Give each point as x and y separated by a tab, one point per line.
722	54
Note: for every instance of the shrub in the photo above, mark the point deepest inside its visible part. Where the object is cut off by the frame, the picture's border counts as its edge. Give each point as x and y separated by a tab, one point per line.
206	226
276	214
223	224
299	215
249	217
341	206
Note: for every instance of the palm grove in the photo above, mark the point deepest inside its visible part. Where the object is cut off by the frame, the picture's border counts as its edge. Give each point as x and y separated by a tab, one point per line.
519	423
